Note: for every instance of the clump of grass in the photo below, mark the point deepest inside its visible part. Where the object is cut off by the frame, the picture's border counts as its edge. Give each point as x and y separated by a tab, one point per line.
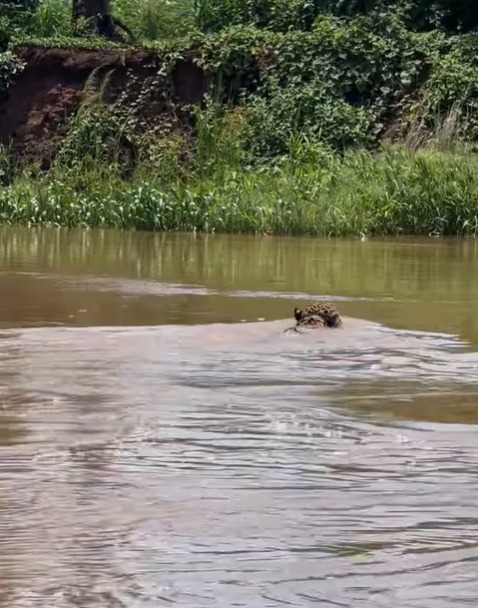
50	19
434	130
150	20
156	20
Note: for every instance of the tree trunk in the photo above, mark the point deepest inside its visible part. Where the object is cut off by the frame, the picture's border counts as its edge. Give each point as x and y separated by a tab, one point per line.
97	14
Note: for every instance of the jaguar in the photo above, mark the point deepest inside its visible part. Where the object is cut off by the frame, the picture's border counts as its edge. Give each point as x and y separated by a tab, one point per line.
322	310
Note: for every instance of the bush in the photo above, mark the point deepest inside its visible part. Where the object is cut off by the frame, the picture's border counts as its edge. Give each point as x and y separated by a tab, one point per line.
335	84
10	65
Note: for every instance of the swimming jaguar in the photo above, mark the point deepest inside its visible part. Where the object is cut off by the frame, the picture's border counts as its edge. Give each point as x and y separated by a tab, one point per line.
317	316
322	310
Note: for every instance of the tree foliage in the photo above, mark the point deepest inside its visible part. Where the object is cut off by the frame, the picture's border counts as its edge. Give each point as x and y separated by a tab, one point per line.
286	15
334	73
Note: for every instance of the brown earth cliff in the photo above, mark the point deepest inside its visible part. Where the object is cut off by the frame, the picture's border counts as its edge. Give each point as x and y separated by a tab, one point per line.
42	98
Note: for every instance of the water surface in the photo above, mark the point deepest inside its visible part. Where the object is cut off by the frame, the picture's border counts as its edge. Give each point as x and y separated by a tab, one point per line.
161	446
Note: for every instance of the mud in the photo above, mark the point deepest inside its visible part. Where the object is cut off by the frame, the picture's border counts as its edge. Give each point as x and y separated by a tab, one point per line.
43	97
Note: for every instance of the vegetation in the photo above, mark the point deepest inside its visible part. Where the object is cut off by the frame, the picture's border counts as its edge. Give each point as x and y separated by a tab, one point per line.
396	191
327	117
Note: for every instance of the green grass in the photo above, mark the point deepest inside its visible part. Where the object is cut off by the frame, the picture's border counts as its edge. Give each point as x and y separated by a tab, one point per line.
397	191
150	20
156	20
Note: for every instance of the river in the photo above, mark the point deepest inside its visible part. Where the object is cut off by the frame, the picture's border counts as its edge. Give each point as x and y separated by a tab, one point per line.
164	443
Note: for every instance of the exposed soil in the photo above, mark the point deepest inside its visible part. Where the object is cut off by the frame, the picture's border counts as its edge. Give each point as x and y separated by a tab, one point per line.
49	90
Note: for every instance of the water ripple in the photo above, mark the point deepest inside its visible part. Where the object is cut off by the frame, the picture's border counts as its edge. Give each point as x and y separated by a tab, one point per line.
234	465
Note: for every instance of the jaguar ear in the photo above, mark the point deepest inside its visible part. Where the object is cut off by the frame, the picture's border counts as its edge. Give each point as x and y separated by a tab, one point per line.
297	314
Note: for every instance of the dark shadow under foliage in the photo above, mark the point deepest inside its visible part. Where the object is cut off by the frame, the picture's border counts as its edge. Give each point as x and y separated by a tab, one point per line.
451	15
288	15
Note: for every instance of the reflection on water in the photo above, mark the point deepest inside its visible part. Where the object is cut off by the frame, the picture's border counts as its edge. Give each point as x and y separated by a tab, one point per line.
150	456
114	278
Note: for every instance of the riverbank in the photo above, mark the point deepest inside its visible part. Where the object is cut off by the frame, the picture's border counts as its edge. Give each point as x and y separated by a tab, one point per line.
390	192
331	123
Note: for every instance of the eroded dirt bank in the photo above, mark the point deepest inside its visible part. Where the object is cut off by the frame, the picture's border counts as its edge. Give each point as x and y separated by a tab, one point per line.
48	91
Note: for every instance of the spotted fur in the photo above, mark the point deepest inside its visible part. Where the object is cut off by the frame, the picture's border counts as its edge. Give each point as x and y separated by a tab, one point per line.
327	312
312	321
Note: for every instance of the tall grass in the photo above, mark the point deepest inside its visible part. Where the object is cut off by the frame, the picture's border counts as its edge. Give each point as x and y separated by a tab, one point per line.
155	20
431	129
150	20
51	19
397	191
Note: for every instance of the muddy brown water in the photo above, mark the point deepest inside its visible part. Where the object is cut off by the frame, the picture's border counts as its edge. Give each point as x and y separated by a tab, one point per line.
160	446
